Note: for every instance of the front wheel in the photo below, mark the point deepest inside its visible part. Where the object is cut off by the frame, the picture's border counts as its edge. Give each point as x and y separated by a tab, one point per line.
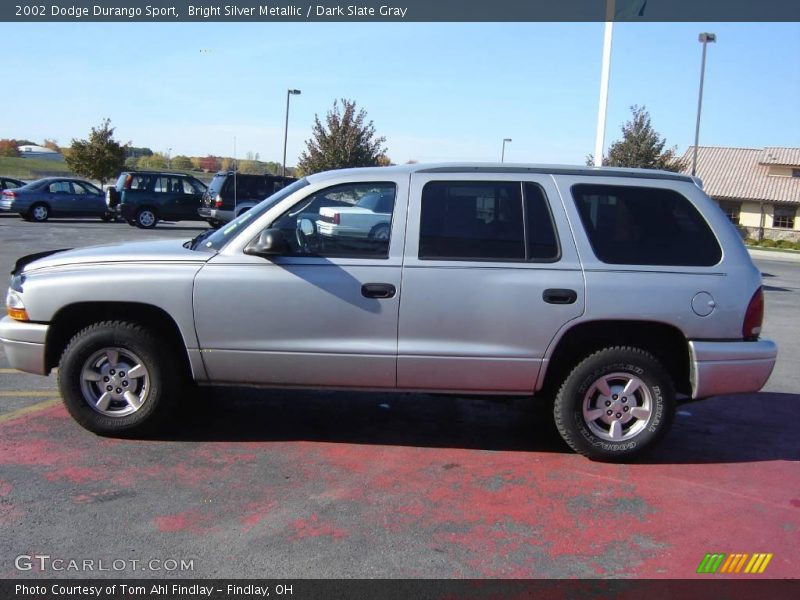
615	404
117	379
39	212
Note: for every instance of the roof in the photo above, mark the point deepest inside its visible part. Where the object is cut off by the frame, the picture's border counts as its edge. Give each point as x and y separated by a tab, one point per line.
743	174
505	168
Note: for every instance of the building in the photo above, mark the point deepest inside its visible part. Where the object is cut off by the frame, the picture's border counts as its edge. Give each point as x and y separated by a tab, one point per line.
758	188
40	152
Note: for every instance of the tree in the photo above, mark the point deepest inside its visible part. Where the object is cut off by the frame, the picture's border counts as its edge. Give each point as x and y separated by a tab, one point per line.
51	144
100	157
181	163
252	167
345	140
9	148
641	146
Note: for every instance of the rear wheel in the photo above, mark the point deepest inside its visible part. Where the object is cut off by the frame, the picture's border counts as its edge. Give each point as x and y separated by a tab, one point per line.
116	378
615	404
380	232
146	218
39	212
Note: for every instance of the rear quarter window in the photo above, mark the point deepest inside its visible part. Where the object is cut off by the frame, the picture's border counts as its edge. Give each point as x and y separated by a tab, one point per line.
629	225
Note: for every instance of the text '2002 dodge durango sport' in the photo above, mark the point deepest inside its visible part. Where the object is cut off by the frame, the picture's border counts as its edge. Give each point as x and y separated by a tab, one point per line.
608	292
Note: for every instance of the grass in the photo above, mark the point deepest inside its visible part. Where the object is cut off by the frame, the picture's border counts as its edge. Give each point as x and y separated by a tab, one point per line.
32	168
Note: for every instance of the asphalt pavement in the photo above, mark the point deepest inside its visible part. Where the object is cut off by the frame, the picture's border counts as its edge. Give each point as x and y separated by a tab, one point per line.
290	483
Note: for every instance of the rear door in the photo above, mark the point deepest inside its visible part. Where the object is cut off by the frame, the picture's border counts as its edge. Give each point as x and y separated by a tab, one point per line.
490	275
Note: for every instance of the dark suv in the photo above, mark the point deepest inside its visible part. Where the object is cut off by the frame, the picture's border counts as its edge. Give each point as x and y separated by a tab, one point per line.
230	194
143	198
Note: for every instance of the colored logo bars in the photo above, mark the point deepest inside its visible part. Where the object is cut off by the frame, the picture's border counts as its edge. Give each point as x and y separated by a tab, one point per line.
734	563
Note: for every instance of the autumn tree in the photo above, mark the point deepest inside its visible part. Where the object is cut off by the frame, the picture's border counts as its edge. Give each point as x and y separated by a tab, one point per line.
210	164
346	139
100	157
8	147
641	146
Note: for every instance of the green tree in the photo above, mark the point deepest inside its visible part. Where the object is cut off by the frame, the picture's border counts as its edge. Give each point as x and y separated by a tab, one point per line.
182	163
345	140
641	146
252	167
100	157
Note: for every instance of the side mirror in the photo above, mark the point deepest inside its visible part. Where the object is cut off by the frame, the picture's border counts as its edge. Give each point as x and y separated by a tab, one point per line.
270	242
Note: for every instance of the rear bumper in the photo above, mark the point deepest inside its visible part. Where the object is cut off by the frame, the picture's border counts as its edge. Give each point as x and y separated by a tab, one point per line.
24	345
730	367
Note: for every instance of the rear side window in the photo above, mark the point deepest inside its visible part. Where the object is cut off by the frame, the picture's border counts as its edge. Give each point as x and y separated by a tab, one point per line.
645	226
486	220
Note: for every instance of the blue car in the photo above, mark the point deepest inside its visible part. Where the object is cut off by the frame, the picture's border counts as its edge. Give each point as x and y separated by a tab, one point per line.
56	197
9	183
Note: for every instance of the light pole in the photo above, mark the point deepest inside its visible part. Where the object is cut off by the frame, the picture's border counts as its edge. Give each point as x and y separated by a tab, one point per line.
286	127
503	153
703	38
169	158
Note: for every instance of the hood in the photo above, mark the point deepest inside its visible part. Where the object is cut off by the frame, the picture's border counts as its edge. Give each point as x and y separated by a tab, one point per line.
151	251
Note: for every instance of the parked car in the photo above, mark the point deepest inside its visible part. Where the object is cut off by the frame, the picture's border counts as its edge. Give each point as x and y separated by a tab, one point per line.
231	193
143	198
368	219
9	183
605	292
55	197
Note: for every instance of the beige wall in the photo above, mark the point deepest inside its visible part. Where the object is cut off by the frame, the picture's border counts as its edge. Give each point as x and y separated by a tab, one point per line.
750	215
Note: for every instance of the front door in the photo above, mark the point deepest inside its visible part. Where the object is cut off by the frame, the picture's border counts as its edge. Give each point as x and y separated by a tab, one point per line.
323	314
487	281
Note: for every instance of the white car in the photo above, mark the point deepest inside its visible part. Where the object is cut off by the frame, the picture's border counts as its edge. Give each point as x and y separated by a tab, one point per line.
370	218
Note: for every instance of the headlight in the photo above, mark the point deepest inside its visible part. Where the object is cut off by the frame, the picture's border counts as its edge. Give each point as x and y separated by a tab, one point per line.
15	307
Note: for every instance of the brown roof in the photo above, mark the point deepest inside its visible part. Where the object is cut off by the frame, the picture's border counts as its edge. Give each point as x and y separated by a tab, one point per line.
739	173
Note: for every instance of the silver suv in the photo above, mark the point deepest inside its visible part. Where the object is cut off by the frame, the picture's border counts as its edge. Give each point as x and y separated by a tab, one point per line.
609	293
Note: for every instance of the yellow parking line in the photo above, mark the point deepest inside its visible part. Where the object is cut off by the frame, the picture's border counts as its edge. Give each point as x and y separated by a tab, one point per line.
47	393
9	371
28	409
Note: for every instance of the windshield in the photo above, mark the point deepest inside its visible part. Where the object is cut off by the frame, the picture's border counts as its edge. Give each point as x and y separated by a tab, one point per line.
226	233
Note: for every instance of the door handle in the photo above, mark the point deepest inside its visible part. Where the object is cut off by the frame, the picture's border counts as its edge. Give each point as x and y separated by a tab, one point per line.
378	290
559	296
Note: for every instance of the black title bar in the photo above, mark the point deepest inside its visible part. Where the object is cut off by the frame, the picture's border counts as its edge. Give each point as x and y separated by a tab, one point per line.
399	10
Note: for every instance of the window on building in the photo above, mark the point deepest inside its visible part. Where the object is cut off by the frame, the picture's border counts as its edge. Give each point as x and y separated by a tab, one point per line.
783	217
795	172
731	210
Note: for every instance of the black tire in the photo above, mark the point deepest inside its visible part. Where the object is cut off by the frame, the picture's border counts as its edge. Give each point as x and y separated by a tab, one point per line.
39	212
380	232
131	222
643	414
108	217
155	387
146	218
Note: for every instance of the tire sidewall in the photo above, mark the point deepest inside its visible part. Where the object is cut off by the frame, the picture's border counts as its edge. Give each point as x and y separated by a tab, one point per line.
569	404
138	218
130	338
33	215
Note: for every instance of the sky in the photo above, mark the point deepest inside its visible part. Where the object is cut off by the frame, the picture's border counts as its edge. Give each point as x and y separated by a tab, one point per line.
436	91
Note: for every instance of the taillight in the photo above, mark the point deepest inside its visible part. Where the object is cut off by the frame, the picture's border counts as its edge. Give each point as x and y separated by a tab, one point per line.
9	194
218	201
754	316
336	218
128	180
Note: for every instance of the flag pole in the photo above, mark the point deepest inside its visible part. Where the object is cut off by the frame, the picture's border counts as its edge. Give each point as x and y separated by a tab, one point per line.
604	76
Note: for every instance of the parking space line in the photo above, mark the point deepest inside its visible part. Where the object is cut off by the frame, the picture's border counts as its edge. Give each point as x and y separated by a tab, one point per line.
29	409
45	393
10	371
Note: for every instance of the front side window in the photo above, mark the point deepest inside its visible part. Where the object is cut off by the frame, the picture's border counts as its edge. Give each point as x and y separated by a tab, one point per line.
77	188
350	220
629	225
486	220
783	217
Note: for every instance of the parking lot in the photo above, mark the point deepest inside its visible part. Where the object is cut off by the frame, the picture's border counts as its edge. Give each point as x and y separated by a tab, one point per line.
266	483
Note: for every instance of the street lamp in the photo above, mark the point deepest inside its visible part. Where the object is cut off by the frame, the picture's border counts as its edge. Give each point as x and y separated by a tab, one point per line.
286	127
503	153
169	158
703	38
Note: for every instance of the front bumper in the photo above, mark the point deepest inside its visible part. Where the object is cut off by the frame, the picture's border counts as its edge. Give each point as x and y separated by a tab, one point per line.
730	367
24	345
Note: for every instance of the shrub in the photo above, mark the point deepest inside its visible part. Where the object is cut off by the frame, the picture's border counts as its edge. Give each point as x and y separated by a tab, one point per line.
766	243
785	244
751	241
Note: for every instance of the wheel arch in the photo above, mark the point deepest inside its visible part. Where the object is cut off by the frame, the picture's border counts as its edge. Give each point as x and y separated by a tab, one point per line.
71	319
665	342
